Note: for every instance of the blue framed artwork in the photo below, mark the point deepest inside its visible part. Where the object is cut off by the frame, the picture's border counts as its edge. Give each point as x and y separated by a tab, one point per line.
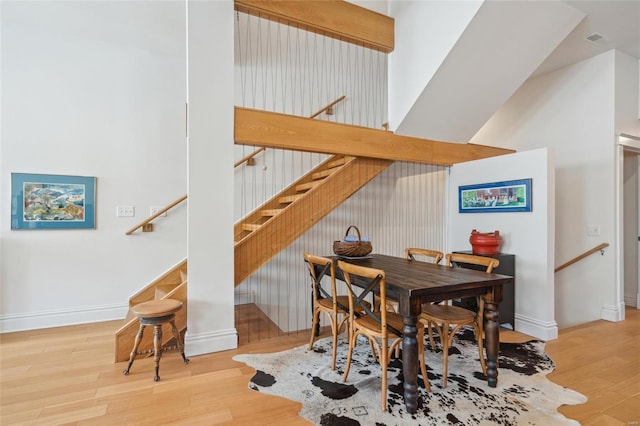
52	201
508	196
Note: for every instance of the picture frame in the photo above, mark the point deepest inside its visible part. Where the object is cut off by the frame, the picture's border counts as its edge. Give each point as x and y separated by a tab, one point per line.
494	197
41	201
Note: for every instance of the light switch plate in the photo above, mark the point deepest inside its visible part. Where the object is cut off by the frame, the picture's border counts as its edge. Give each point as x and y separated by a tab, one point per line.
125	211
593	230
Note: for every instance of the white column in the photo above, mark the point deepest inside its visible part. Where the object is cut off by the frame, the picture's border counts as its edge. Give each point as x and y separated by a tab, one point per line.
210	246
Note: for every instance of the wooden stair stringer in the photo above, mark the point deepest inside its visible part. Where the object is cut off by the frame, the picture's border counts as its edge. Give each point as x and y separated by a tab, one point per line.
274	206
158	289
280	231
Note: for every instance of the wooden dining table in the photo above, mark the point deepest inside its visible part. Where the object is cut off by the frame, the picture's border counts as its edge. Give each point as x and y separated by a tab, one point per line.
413	283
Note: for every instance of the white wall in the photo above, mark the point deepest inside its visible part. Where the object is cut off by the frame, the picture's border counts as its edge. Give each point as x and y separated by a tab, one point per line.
627	94
425	33
92	89
527	235
380	6
573	110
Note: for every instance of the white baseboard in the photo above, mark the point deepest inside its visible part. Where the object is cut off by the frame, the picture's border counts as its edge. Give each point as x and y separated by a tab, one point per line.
61	317
545	330
613	313
245	298
632	301
206	343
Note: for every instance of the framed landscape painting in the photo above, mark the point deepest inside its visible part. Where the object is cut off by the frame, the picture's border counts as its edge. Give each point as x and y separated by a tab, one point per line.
52	201
508	196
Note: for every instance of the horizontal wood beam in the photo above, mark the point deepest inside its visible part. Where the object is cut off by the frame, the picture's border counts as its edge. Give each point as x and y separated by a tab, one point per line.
332	18
270	129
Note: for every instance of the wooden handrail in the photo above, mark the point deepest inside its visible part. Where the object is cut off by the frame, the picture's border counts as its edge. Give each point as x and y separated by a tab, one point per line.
158	213
582	256
328	107
249	157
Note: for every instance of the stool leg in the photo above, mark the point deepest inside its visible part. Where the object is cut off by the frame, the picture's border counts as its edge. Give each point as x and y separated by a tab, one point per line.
132	356
157	348
176	335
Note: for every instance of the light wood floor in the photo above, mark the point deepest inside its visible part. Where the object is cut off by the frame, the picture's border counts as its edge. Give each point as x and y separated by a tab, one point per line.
67	376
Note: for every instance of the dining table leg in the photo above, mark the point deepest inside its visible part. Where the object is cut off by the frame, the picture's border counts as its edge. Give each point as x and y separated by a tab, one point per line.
492	341
410	313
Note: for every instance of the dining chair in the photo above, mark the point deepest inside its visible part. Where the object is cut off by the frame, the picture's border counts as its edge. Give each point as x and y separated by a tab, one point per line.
447	319
383	329
326	300
434	256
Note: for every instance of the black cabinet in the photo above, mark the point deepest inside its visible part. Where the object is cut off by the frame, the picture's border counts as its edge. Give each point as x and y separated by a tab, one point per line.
507	306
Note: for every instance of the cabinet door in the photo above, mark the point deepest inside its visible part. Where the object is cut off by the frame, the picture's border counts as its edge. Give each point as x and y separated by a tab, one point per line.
507	306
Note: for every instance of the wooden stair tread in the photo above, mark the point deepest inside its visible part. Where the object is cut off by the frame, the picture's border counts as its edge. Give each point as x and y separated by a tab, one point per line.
323	174
307	186
167	286
337	163
162	291
269	212
250	227
289	198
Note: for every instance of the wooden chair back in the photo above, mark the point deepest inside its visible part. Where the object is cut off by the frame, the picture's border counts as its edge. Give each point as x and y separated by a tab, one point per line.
370	280
489	262
325	266
435	255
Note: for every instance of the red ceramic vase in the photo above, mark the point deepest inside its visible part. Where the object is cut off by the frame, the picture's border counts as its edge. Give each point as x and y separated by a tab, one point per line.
485	243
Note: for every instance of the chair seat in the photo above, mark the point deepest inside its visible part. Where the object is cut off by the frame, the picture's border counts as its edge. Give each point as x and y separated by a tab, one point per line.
452	314
342	301
393	319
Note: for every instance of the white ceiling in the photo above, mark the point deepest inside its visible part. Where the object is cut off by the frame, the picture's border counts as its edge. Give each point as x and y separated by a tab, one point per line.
618	21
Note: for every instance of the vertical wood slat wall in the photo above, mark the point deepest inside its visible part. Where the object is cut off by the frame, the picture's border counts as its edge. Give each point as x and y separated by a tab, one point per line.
288	70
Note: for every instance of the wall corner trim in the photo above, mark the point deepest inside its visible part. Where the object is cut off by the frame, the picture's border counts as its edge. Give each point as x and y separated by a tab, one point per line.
614	313
545	330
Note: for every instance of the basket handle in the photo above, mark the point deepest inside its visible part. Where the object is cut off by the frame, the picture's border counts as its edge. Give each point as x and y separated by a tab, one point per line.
357	231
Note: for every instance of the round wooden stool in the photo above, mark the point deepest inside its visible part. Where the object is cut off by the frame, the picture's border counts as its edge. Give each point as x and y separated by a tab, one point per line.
156	313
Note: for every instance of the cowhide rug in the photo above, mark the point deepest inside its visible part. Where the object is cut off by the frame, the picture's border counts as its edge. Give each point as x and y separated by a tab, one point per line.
523	396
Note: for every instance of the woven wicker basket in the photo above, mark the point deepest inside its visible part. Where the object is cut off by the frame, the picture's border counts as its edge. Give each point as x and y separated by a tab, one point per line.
352	249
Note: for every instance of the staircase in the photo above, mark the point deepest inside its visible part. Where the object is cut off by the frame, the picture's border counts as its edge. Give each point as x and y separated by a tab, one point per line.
170	285
281	220
259	237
